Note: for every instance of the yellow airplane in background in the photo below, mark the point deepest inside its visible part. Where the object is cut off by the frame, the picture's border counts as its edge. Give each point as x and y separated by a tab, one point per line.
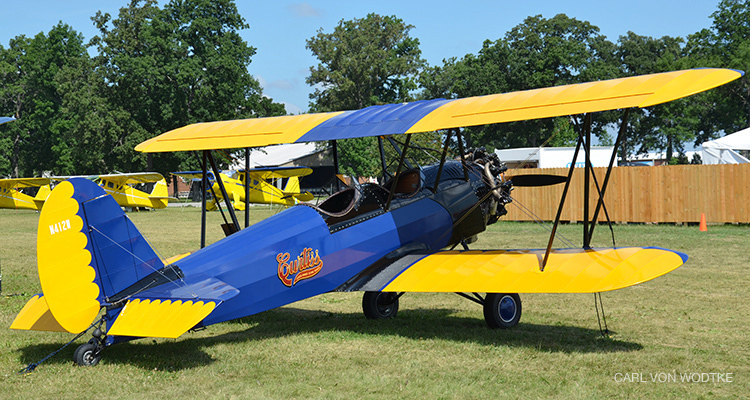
12	197
120	186
262	186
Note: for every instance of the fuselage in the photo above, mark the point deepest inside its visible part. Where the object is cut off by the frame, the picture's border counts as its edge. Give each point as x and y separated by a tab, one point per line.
12	198
261	192
305	251
128	196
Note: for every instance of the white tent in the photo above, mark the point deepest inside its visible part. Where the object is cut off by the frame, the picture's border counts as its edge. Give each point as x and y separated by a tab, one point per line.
553	157
274	156
723	150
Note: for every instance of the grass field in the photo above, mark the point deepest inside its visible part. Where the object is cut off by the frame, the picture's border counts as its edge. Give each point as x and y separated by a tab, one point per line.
691	323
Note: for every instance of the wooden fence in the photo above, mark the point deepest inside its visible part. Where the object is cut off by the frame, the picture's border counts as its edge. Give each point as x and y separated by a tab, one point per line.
664	194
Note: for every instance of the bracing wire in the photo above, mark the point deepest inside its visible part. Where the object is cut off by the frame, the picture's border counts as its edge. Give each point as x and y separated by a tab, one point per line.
145	263
541	222
605	330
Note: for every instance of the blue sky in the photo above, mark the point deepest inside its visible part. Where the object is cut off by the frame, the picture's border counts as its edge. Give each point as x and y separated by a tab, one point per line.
279	29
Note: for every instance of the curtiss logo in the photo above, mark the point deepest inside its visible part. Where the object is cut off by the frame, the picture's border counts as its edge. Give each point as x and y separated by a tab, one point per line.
307	265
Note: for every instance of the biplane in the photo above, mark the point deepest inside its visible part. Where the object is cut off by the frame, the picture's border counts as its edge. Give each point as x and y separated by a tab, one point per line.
262	188
383	239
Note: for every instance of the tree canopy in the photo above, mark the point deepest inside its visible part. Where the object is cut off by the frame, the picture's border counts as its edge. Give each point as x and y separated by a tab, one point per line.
363	62
155	69
82	107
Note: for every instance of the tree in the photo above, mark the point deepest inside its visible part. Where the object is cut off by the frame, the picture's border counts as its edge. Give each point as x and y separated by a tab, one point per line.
538	53
726	44
666	126
186	63
29	71
363	62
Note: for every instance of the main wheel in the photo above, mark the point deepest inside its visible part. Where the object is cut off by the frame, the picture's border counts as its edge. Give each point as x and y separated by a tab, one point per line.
502	310
87	355
380	305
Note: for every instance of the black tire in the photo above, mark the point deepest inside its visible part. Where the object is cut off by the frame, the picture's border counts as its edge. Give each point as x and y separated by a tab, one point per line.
87	355
502	310
380	305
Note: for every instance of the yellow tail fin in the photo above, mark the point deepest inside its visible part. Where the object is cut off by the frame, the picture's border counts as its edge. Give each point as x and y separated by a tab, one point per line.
160	194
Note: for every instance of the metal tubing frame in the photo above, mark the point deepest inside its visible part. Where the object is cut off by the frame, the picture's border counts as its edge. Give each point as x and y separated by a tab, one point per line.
459	138
586	179
620	138
442	160
383	164
247	187
335	149
204	189
392	189
477	299
230	209
562	202
398	151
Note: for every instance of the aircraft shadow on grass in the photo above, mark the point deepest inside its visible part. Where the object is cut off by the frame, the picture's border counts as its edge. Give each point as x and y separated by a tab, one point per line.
415	324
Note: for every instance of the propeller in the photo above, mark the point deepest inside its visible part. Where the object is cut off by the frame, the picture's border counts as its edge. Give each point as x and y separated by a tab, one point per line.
534	180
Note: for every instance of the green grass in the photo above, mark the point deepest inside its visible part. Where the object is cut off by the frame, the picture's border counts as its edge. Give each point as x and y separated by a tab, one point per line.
693	320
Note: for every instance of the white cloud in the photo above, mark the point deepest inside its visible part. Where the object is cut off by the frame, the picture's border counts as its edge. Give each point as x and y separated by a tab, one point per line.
304	10
291	108
281	84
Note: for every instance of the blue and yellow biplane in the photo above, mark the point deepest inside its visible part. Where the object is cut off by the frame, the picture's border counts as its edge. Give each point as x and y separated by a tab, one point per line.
97	271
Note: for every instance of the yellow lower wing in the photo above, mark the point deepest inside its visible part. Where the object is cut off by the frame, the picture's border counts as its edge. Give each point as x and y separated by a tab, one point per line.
518	271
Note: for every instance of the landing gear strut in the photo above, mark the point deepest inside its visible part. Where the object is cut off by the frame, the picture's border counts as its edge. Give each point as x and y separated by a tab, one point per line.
90	353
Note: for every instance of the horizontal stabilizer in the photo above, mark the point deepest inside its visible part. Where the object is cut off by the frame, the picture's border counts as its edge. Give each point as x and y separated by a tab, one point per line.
36	316
518	271
157	318
170	309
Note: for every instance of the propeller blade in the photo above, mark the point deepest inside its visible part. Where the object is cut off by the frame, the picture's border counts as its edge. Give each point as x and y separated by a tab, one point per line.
537	180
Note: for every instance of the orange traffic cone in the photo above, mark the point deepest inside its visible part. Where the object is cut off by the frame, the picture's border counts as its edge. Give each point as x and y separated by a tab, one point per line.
703	223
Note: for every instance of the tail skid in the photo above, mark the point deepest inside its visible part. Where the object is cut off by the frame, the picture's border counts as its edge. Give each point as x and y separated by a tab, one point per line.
90	255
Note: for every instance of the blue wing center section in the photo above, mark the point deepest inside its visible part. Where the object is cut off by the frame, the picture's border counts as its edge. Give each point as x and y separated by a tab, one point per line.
389	119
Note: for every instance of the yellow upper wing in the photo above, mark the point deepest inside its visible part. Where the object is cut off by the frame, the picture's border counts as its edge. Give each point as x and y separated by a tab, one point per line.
424	116
132	178
278	172
24	182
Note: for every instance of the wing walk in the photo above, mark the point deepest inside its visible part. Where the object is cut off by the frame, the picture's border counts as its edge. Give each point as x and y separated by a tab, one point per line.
517	271
432	115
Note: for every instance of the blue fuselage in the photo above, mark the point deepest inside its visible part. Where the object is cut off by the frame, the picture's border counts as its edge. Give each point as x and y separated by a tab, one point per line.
249	260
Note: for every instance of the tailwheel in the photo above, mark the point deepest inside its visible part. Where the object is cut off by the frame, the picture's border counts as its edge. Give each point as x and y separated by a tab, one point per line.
90	353
380	305
502	310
